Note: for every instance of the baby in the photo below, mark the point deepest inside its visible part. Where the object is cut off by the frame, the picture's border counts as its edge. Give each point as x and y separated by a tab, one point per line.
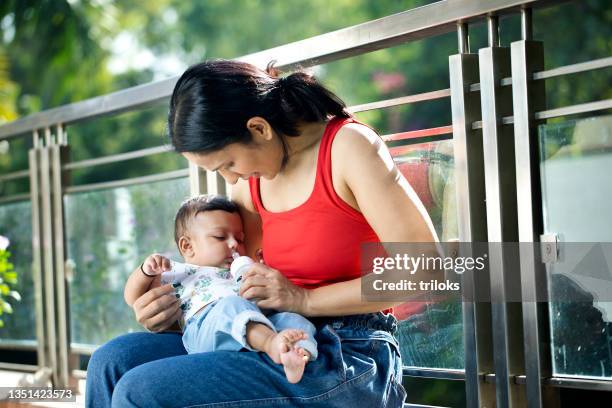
208	233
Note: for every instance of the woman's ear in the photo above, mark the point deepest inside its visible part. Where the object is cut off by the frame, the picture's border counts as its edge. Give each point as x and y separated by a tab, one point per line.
260	129
185	247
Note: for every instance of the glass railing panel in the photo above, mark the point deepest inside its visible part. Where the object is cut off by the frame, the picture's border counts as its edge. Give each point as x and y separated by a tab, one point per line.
16	225
431	333
109	233
127	132
576	164
14	158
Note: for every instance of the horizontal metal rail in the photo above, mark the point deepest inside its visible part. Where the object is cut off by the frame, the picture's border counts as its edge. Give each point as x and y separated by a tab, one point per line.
138	97
418	134
27	368
81	348
127	182
503	82
560	71
520	379
403	100
506	120
15	175
415	24
436	373
15	198
18	345
574	109
135	154
559	112
574	68
407	145
489	378
516	379
79	374
579	383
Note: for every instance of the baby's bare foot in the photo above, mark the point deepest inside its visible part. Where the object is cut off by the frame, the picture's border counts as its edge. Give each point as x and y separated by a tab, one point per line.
282	350
294	361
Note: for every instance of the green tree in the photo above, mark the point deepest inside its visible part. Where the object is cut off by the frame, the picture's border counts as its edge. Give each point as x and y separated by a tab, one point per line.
8	91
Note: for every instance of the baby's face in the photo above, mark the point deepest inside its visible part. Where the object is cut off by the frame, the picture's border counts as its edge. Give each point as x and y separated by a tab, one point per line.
214	235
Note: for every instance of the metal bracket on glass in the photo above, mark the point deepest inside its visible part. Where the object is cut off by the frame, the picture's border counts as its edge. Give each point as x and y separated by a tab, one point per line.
550	249
70	267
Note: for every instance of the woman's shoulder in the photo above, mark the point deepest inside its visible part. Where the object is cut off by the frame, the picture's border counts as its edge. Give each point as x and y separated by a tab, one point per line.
356	137
359	160
357	145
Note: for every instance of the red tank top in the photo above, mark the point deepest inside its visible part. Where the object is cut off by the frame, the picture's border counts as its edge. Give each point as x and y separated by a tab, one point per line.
318	242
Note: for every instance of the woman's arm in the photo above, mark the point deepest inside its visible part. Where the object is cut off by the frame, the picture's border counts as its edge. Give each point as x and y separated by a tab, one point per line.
154	306
158	309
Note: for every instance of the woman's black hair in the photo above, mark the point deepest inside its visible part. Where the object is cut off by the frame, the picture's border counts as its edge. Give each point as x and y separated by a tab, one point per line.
213	100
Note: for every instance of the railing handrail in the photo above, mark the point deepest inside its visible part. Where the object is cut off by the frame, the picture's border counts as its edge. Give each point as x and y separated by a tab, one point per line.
410	25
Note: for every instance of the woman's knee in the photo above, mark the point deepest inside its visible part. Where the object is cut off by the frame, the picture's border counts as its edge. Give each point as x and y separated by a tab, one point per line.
112	354
130	350
131	390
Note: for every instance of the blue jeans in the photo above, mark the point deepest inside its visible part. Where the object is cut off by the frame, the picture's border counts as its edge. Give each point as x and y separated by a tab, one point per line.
222	325
359	365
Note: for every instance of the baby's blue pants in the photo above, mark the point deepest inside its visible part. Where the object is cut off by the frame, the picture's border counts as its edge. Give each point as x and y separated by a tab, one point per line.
222	325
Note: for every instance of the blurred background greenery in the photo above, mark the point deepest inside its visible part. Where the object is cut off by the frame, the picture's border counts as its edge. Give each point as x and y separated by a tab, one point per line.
61	51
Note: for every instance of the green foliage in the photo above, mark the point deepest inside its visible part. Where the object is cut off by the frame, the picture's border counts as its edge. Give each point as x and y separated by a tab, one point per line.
8	278
8	91
74	64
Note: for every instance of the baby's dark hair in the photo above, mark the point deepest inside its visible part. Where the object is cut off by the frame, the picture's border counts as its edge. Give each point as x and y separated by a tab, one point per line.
195	205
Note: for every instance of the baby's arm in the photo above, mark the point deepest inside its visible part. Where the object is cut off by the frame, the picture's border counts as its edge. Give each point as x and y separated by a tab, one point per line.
138	283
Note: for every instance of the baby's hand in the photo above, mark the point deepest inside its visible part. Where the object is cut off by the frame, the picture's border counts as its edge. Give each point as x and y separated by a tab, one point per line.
155	264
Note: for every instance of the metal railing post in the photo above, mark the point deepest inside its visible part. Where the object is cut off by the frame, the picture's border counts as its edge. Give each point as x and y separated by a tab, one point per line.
197	180
59	154
48	256
48	238
469	179
206	182
500	187
215	183
37	256
529	97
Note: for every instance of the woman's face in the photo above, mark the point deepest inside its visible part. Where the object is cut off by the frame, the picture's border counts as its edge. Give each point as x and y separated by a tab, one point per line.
261	158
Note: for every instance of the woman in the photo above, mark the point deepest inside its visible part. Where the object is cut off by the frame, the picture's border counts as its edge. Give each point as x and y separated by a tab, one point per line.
312	184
